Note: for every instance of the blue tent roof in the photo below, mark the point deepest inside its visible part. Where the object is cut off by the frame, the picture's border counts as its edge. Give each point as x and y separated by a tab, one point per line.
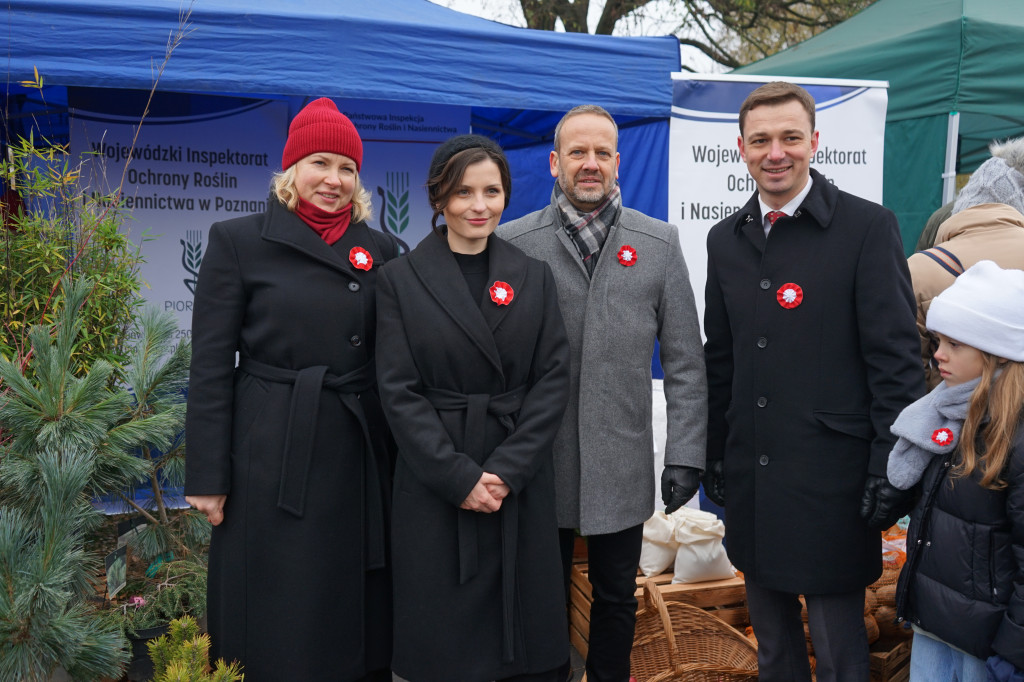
407	50
517	82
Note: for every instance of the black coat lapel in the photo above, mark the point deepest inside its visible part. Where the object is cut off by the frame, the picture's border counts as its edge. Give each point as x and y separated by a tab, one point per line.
285	227
750	223
435	266
506	264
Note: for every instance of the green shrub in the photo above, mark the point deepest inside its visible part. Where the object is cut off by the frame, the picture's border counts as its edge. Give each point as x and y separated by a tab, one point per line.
63	234
183	655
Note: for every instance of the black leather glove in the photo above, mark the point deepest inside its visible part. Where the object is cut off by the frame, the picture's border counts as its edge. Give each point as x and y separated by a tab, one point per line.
714	481
883	503
678	484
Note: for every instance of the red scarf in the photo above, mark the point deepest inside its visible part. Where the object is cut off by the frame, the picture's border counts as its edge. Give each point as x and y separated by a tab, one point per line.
330	225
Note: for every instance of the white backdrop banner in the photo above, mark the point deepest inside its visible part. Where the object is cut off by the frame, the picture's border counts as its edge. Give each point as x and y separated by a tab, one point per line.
188	172
708	180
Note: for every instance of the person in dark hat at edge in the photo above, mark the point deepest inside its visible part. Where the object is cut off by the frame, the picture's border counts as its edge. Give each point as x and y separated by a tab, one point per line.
474	377
288	451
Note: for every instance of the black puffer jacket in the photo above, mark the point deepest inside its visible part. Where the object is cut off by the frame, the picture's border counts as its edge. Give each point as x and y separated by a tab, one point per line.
964	576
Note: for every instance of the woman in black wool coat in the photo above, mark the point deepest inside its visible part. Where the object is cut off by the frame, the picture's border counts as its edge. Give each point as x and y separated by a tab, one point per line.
288	451
474	376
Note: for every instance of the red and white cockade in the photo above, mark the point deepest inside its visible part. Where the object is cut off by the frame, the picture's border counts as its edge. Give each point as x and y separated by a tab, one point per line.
627	255
360	258
790	295
501	293
943	436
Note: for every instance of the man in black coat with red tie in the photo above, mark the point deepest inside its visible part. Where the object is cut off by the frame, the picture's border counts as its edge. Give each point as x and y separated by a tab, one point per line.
811	353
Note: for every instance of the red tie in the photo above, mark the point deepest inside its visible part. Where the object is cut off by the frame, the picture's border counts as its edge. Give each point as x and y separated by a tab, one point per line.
772	216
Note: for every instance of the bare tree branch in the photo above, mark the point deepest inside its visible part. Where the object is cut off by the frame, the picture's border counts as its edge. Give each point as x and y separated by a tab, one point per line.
730	32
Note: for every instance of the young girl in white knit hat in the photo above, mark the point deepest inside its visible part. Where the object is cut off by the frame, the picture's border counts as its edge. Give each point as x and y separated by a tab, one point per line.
962	587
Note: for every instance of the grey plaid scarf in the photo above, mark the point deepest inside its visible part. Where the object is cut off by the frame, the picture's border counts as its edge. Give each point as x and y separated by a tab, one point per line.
588	231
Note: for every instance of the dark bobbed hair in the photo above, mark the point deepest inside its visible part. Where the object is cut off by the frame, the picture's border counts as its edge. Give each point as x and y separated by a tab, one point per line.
447	170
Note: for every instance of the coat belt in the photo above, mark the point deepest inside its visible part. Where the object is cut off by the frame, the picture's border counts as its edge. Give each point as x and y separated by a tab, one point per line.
477	407
309	384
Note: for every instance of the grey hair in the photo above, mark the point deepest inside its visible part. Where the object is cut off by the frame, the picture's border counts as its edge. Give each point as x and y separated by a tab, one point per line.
586	109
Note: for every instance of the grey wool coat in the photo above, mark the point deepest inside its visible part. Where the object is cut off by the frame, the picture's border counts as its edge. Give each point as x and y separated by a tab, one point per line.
604	450
471	386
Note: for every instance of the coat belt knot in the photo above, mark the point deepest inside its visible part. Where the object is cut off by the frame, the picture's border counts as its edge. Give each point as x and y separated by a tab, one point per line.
477	406
308	386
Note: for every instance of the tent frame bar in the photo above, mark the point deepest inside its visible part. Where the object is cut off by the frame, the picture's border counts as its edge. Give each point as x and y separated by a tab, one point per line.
949	175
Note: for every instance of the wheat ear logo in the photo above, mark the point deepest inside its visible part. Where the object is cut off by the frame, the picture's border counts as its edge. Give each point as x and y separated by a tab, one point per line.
394	211
192	257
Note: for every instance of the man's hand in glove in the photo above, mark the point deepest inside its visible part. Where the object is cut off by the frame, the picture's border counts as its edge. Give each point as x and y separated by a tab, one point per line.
678	484
714	482
883	503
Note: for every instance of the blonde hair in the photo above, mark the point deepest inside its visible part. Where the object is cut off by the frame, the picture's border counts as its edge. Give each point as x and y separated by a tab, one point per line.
283	185
994	413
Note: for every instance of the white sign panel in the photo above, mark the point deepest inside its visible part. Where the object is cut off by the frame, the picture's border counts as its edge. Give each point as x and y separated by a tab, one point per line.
708	181
188	172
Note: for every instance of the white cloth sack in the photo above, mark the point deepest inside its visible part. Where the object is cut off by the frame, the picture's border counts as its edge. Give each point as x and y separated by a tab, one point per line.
659	547
701	555
689	538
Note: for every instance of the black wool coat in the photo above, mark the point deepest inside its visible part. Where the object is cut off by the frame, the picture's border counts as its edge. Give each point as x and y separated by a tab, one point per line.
471	386
801	399
963	580
298	584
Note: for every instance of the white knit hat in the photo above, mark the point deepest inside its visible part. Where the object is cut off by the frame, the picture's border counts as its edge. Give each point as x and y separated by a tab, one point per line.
983	308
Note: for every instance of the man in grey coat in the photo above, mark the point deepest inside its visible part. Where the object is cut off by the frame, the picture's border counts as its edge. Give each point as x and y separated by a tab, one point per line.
622	285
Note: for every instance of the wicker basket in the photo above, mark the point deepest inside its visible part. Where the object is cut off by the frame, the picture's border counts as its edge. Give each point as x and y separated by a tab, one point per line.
677	642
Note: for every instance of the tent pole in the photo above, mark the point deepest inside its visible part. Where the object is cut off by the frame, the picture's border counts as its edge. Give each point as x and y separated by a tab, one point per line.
949	176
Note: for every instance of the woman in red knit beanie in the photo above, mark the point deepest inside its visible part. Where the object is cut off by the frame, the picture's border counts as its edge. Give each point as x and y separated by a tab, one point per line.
289	455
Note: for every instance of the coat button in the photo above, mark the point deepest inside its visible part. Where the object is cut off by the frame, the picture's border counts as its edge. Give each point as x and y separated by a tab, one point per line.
928	544
763	460
766	284
353	286
355	340
762	401
762	342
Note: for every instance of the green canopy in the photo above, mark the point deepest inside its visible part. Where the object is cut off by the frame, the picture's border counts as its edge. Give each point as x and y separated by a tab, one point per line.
941	58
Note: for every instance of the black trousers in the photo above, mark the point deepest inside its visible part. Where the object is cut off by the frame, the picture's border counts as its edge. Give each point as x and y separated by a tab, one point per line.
548	676
612	561
836	623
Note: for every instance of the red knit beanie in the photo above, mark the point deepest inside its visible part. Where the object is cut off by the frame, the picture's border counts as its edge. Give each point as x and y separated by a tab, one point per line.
320	127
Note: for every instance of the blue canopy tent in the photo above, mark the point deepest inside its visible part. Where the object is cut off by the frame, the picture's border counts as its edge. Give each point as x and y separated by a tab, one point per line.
516	81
